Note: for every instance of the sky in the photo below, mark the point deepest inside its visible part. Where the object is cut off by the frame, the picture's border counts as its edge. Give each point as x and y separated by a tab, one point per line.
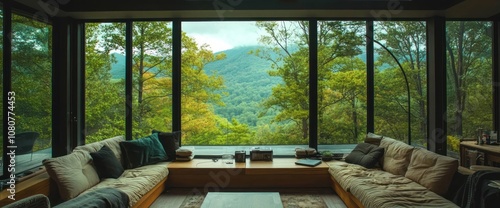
223	35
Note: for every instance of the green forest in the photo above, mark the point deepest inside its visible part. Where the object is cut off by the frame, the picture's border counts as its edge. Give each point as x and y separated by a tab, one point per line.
260	94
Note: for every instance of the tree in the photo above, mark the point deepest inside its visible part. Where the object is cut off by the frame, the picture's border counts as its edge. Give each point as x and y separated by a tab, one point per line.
199	93
32	77
290	41
151	46
468	64
407	41
104	96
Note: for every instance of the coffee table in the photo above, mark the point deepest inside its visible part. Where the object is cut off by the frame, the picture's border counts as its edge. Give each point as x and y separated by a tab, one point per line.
242	200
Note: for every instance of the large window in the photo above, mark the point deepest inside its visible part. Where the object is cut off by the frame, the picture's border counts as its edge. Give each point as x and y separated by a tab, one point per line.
104	81
341	82
32	88
469	79
406	40
245	83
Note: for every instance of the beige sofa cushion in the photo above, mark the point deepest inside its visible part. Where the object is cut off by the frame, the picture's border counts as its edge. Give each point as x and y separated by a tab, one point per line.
383	189
113	143
432	170
397	156
72	173
136	182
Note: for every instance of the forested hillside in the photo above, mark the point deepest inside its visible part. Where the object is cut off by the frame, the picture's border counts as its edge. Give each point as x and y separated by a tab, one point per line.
247	83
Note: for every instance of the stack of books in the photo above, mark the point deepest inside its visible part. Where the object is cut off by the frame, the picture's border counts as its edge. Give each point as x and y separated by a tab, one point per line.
183	155
305	152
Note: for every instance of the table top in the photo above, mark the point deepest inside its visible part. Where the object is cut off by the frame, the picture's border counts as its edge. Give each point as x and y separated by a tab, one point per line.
485	147
242	200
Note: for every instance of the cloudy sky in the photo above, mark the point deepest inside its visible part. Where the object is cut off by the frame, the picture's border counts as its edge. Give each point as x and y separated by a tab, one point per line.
223	35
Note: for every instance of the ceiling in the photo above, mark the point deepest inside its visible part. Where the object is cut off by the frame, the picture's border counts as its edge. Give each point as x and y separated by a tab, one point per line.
227	9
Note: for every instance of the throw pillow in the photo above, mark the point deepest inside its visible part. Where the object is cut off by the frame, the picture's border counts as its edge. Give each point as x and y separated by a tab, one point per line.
143	151
397	156
432	170
106	163
366	155
134	154
72	173
170	142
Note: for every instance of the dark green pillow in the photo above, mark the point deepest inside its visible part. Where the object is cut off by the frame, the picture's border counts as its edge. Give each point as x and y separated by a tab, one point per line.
106	163
365	154
143	151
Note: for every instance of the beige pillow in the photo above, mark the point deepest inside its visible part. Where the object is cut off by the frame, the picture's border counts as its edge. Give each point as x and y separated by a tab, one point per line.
397	156
431	170
72	173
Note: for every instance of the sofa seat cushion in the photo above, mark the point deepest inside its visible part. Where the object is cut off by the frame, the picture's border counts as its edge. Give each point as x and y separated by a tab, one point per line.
136	182
432	170
387	190
346	173
113	144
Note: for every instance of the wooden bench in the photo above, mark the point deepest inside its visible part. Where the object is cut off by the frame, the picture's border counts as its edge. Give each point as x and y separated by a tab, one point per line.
281	172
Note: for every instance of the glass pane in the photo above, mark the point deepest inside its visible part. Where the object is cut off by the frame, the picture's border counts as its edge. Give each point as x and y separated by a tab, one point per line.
104	81
341	82
406	40
152	77
1	88
469	78
32	89
245	82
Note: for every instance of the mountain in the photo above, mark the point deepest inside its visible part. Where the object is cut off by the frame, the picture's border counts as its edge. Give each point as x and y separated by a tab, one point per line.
247	83
118	68
245	77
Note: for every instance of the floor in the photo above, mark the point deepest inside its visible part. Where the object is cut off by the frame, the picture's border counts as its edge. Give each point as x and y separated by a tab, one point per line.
173	198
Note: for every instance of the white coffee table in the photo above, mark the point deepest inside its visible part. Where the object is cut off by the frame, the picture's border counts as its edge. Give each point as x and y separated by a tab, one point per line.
242	200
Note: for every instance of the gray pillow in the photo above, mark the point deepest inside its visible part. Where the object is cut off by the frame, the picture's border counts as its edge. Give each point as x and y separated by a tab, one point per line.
366	155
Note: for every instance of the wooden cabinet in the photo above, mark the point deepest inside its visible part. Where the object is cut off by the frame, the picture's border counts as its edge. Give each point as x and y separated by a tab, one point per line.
473	154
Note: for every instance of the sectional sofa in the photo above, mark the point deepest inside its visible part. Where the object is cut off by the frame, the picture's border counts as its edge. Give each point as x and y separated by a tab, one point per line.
76	176
405	176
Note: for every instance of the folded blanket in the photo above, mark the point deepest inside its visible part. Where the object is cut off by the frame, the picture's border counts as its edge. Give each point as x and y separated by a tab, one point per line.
473	188
103	197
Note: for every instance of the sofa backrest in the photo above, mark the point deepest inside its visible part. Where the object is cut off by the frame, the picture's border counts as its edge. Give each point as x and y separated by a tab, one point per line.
397	156
73	173
113	143
432	170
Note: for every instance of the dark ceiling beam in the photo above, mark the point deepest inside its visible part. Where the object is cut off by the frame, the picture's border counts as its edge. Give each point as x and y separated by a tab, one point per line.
179	5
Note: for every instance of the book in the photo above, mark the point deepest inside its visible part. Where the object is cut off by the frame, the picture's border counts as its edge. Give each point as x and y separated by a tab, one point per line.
308	162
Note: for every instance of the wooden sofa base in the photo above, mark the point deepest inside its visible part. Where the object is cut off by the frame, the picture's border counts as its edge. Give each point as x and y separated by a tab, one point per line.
349	200
41	184
152	195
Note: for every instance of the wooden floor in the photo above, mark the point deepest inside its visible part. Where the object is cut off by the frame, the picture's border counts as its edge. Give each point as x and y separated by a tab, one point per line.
173	198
